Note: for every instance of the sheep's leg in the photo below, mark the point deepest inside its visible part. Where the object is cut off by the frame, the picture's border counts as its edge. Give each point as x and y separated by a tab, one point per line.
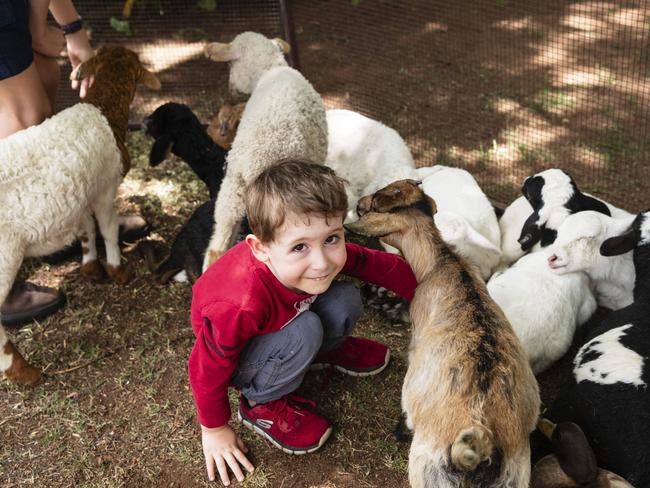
228	213
90	266
12	364
109	228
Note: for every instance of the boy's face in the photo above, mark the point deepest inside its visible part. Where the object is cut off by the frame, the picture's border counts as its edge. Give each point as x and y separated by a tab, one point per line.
307	253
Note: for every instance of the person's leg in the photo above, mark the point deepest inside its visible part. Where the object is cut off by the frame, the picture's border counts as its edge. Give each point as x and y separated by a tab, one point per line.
339	308
271	368
273	365
23	101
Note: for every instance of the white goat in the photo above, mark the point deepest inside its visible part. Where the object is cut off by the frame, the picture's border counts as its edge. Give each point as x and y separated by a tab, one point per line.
284	118
543	308
577	248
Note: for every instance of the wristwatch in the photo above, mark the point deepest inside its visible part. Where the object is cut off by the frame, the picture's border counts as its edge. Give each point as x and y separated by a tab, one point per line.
72	27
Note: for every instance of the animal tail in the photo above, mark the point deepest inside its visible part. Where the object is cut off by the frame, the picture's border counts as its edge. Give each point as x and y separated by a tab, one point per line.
472	446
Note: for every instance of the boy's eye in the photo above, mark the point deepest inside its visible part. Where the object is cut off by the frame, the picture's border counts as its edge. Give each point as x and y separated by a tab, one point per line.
299	248
332	239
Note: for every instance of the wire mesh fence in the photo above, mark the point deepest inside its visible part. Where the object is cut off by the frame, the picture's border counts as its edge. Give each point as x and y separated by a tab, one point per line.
504	88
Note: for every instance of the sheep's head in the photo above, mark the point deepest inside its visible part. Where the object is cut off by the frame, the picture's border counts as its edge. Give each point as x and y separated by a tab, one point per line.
250	54
223	126
165	124
578	242
391	211
636	236
112	62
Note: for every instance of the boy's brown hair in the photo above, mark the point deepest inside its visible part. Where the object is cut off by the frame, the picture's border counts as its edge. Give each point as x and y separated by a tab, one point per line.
292	187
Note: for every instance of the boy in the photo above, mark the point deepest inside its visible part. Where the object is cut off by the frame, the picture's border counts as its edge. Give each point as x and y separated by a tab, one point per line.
269	309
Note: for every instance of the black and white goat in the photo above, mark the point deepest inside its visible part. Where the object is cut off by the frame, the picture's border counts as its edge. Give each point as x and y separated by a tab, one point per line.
549	197
608	395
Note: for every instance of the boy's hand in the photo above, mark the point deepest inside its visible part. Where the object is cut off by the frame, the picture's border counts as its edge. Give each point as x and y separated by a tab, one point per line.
224	447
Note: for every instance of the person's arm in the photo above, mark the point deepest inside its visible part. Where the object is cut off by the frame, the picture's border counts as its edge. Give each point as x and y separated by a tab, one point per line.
46	40
221	331
380	268
78	44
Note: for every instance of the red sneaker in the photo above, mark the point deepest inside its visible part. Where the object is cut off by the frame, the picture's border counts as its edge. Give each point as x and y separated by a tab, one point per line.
355	356
290	423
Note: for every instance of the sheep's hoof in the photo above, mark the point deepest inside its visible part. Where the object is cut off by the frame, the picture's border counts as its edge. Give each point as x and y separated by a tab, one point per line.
118	274
20	371
93	270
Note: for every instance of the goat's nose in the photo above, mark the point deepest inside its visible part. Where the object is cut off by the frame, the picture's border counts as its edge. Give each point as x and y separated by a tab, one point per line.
552	259
363	205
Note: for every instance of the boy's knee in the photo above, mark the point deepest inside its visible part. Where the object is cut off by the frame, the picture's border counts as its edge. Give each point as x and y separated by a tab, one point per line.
310	331
350	299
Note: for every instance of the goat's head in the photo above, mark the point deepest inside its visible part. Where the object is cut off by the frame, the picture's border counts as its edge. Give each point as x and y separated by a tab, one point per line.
250	54
635	237
118	65
223	126
393	210
165	124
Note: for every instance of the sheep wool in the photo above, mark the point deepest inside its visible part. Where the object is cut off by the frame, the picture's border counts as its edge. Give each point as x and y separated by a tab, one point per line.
48	216
284	118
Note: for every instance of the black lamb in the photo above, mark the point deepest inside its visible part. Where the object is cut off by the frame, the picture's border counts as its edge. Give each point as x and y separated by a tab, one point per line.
175	127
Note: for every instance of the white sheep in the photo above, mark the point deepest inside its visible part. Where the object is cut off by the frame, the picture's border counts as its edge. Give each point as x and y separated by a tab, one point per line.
366	153
576	248
56	175
543	308
284	118
465	219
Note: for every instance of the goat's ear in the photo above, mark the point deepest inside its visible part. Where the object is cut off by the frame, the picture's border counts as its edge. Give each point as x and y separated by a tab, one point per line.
85	69
149	80
431	203
619	244
531	233
220	52
375	224
283	45
160	150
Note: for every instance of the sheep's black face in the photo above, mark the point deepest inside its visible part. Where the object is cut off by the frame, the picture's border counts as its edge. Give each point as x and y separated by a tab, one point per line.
170	119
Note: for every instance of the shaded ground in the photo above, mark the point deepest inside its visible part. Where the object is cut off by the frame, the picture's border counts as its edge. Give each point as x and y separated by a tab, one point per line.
464	85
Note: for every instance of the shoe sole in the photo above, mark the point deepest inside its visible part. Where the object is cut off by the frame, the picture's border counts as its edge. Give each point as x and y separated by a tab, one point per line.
250	425
351	372
20	319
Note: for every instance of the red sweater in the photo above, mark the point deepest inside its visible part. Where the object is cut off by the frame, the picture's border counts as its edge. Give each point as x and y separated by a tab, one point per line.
239	298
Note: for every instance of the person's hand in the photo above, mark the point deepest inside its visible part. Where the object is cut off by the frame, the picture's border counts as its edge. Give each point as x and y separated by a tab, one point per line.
79	50
48	41
224	447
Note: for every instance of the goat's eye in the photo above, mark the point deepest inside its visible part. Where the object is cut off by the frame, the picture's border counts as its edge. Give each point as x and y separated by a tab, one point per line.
397	191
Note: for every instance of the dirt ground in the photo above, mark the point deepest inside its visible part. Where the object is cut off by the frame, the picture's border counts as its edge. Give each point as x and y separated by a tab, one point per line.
115	409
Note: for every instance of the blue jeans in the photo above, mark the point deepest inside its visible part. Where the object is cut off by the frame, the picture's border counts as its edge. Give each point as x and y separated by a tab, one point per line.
273	365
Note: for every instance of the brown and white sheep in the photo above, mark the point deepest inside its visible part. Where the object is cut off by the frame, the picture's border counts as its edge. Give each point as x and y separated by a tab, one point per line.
469	395
55	176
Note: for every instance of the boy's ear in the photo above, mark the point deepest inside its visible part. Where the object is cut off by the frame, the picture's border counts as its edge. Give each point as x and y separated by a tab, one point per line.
258	248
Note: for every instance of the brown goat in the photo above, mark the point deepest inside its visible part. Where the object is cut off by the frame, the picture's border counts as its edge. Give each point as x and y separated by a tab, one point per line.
469	394
223	126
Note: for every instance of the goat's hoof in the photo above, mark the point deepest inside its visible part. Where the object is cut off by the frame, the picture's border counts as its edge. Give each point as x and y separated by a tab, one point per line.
93	270
118	274
20	371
